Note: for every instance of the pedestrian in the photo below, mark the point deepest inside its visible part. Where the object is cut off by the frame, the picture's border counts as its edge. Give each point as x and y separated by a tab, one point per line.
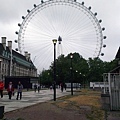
1	88
19	90
10	90
35	87
51	87
61	87
65	86
38	87
93	87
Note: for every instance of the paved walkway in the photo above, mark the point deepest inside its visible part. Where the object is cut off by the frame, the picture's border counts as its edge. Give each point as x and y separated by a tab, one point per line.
29	98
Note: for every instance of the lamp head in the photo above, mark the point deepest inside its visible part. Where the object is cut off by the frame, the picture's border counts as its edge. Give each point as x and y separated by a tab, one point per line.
54	41
71	55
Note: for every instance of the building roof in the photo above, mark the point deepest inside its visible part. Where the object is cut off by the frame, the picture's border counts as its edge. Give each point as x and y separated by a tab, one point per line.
1	49
17	57
118	54
115	70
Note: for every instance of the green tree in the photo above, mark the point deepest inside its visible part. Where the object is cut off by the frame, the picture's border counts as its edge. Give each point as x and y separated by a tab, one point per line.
84	71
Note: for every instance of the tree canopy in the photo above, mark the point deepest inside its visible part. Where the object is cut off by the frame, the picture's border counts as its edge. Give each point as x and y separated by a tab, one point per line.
86	71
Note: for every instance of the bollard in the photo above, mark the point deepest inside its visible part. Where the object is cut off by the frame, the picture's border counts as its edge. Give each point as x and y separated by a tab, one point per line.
1	112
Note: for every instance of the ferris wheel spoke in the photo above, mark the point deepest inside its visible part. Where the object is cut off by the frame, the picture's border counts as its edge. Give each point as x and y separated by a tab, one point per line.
41	60
82	50
76	24
37	29
80	31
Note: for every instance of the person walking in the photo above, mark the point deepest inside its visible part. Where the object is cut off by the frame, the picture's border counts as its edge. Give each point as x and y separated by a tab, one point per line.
35	87
10	90
1	88
61	87
65	86
38	87
19	90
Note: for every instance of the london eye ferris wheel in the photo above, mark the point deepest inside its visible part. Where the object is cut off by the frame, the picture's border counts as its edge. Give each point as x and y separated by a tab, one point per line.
74	25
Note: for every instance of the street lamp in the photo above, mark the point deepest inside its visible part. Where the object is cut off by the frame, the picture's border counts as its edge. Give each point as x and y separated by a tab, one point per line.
54	42
40	80
71	68
76	79
84	81
48	78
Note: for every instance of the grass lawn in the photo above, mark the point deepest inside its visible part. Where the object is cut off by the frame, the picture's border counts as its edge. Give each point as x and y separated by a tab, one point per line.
85	101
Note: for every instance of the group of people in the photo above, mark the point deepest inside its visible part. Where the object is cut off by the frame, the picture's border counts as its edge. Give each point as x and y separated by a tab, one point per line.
10	89
62	86
37	87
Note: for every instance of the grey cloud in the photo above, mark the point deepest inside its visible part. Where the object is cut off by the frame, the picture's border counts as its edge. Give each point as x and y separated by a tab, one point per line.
11	10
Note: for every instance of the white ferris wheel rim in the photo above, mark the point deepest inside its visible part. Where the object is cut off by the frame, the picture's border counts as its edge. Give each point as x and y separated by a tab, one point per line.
81	31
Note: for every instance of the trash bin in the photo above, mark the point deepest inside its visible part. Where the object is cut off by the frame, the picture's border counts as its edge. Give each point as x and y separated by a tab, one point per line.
1	112
105	101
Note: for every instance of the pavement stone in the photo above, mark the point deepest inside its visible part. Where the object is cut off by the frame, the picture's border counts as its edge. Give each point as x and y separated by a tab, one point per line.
29	98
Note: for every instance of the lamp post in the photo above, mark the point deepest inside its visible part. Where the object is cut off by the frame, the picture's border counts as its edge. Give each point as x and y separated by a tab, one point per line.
80	80
54	42
48	78
40	81
76	79
71	68
84	81
10	42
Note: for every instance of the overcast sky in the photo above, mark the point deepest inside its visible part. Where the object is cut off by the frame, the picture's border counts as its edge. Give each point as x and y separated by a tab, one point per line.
108	10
